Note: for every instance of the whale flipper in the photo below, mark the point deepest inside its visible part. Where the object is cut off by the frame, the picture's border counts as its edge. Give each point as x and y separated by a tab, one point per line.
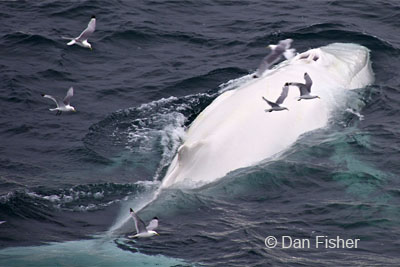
187	150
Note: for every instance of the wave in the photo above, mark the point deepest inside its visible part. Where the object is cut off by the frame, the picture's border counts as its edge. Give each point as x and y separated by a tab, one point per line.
151	133
137	36
25	38
38	215
85	252
88	197
324	33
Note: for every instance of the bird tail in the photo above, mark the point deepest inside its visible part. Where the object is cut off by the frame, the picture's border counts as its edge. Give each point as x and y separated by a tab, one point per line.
71	42
53	109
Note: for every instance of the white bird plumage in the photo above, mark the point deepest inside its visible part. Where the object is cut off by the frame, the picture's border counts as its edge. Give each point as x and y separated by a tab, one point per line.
62	105
282	48
305	88
276	106
141	229
82	39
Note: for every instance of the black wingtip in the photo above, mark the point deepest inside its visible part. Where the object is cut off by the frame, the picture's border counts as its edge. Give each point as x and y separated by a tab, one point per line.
42	94
93	17
155	218
130	210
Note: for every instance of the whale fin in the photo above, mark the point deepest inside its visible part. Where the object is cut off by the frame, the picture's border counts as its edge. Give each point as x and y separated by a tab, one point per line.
186	156
185	152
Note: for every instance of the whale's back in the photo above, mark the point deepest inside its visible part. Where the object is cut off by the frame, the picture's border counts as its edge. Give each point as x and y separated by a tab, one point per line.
234	131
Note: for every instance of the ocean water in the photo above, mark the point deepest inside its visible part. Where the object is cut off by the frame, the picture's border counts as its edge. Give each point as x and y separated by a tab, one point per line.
66	182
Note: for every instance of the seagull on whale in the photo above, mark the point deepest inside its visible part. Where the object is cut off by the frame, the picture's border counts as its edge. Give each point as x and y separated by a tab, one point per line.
305	88
81	40
62	105
282	48
141	229
275	106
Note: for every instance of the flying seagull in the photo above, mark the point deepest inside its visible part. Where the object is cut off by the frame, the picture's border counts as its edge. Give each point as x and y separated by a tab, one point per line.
62	105
141	229
305	89
282	48
83	37
276	106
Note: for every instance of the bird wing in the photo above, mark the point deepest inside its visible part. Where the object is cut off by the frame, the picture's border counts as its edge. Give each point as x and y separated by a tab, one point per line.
55	100
302	87
153	224
269	60
309	82
283	95
282	48
68	96
272	104
264	65
139	224
88	31
285	43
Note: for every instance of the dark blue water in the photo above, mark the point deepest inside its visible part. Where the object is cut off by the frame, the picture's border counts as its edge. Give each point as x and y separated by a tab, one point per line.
154	67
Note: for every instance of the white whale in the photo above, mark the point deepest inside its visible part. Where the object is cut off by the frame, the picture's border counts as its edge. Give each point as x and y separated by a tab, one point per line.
234	131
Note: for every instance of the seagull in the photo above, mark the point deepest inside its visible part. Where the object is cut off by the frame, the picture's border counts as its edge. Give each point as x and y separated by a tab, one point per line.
276	106
64	105
141	229
83	37
283	47
305	89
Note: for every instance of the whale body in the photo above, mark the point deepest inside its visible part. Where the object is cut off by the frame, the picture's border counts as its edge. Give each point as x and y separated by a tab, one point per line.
234	131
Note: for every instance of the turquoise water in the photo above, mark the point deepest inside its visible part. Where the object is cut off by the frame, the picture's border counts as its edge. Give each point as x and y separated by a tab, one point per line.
82	253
